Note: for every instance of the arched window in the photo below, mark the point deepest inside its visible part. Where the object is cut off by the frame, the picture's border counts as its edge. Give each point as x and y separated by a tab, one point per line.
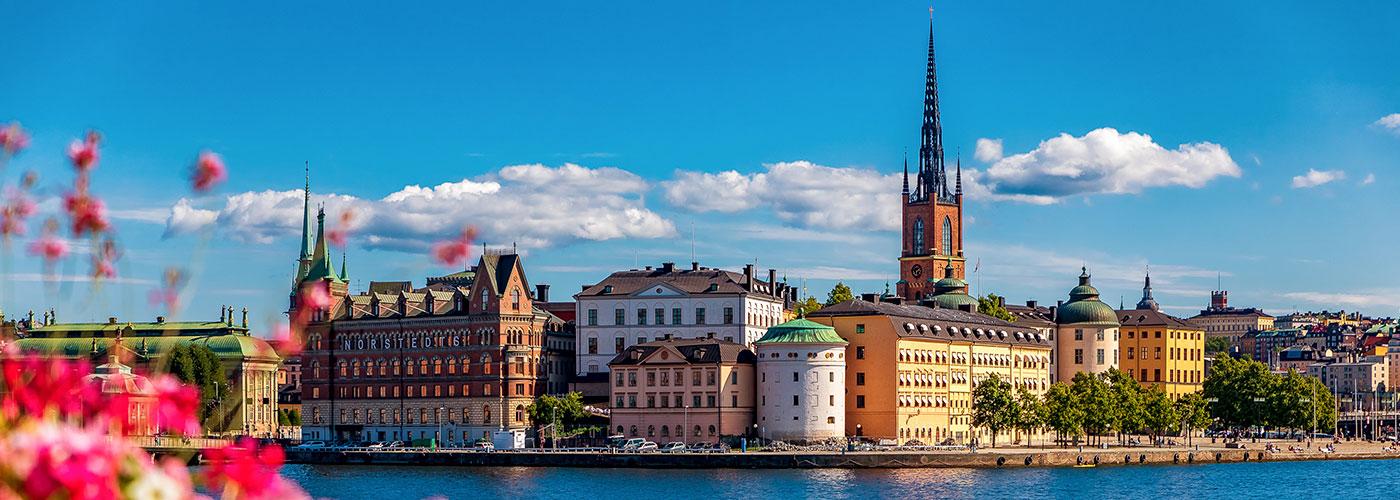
947	236
918	236
451	366
519	413
515	299
437	365
712	431
355	368
486	414
341	364
486	364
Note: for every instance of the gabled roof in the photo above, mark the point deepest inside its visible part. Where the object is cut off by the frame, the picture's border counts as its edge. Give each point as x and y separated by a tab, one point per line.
695	351
937	323
1150	317
496	268
689	281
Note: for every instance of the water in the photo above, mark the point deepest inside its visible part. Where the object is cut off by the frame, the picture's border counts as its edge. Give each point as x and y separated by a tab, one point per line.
1273	480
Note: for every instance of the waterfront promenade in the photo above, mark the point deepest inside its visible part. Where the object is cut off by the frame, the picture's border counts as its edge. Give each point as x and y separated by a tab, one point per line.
1007	457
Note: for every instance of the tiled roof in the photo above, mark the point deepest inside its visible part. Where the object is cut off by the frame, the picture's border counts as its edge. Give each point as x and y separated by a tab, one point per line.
951	324
1149	317
695	351
691	281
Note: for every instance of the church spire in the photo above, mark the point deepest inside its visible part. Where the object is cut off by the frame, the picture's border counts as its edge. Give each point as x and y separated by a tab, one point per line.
933	179
1147	301
906	173
306	216
958	192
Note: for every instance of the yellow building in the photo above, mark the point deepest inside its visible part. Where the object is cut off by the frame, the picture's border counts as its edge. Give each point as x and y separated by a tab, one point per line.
910	370
1160	350
1220	320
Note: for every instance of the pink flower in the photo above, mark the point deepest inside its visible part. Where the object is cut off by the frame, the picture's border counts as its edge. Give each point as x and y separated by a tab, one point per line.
14	213
317	296
177	405
286	339
455	251
338	235
83	153
168	295
13	139
208	171
49	247
249	471
88	213
104	261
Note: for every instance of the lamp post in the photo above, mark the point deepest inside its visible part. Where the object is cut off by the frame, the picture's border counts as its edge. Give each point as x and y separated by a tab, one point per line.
685	427
1258	399
438	416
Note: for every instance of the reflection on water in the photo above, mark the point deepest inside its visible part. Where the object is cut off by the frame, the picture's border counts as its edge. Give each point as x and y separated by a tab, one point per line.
1345	479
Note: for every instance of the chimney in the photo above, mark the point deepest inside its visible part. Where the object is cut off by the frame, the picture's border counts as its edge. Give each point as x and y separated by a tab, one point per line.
694	266
772	281
965	307
245	317
1031	304
111	320
159	319
222	312
668	267
748	277
870	297
1001	301
542	292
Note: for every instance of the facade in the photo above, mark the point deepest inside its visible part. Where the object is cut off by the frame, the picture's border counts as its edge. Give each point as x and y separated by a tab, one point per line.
1220	320
1356	382
688	390
113	380
1042	319
932	211
801	382
1160	350
1086	332
911	369
637	306
250	363
1264	345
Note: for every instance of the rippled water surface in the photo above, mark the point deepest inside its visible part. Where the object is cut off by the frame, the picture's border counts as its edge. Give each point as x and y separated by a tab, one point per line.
1277	480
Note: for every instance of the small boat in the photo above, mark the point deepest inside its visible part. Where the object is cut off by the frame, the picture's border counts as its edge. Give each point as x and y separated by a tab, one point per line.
1085	465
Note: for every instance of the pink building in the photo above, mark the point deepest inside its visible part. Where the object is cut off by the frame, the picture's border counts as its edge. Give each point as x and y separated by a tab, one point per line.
690	390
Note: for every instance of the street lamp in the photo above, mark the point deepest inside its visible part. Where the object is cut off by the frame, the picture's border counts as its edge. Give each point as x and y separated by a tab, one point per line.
1258	399
685	427
438	417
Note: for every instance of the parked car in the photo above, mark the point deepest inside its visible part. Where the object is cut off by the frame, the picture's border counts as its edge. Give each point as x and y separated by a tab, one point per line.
632	444
375	445
312	444
674	447
394	444
648	447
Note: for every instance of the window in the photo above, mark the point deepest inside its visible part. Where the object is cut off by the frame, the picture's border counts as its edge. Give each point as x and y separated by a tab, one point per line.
631	400
695	401
831	400
515	299
592	317
618	378
651	400
830	420
619	344
918	236
631	379
641	316
710	400
1100	334
593	345
651	378
860	352
734	377
660	316
729	315
1078	334
1157	375
1100	356
710	377
619	316
794	400
860	327
860	378
860	401
1078	356
1130	352
734	400
699	315
695	377
675	315
1157	353
947	236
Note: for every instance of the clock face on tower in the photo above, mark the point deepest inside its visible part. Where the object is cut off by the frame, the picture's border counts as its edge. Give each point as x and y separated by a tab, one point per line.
916	271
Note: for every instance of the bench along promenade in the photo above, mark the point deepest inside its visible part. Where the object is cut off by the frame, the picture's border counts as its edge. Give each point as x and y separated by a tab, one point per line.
985	458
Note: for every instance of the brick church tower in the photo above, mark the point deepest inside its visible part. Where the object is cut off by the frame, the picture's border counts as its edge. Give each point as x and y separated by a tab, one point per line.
933	209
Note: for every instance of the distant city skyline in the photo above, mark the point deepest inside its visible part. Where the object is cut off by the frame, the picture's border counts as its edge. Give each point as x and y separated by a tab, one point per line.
1254	146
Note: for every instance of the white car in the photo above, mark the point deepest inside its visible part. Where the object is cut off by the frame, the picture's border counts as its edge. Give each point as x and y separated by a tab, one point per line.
312	444
647	447
633	444
673	447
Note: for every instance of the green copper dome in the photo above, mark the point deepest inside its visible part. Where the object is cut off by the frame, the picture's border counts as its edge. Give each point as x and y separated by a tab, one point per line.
950	292
1084	305
801	331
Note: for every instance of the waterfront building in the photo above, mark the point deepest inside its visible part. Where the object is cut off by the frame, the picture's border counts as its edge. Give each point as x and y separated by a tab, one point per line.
1298	358
1358	382
689	390
1042	319
1263	345
932	210
911	369
801	382
1086	332
1221	320
641	305
250	363
1160	350
116	380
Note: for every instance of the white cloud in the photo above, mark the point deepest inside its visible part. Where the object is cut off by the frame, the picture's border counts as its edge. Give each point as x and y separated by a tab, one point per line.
1390	122
1379	298
799	192
1103	161
1315	178
988	150
1370	179
533	205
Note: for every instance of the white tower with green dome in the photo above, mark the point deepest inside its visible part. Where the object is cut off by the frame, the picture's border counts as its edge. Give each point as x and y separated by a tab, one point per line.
801	382
1086	332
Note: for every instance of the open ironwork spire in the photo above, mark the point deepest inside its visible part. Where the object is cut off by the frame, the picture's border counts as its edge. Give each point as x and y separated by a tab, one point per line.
933	181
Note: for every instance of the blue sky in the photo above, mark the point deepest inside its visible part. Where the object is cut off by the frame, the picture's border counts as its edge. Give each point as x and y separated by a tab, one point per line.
774	129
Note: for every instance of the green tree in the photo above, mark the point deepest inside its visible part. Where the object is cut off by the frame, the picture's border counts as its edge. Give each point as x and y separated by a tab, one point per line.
1217	345
1097	402
1160	415
1030	413
808	306
1128	402
1062	412
992	305
1238	390
993	406
565	411
180	363
839	293
1292	402
1194	413
197	365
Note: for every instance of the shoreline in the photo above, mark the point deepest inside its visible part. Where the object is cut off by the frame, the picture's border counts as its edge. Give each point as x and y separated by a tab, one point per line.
983	459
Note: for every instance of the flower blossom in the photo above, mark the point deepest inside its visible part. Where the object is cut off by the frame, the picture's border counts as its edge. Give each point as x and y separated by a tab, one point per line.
339	234
18	208
250	471
13	139
49	246
208	171
83	153
177	405
168	295
88	213
104	261
455	251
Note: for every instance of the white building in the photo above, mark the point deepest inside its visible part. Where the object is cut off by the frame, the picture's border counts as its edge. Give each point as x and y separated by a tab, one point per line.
801	382
633	307
1086	333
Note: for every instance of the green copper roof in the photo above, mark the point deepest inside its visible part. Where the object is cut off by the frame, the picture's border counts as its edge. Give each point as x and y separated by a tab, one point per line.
321	266
229	346
951	292
801	331
954	300
1084	306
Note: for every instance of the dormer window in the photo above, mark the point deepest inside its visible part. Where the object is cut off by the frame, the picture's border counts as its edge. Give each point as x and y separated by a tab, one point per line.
607	288
515	299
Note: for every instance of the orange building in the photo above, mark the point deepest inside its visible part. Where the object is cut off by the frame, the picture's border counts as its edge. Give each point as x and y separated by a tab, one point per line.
910	370
1160	350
